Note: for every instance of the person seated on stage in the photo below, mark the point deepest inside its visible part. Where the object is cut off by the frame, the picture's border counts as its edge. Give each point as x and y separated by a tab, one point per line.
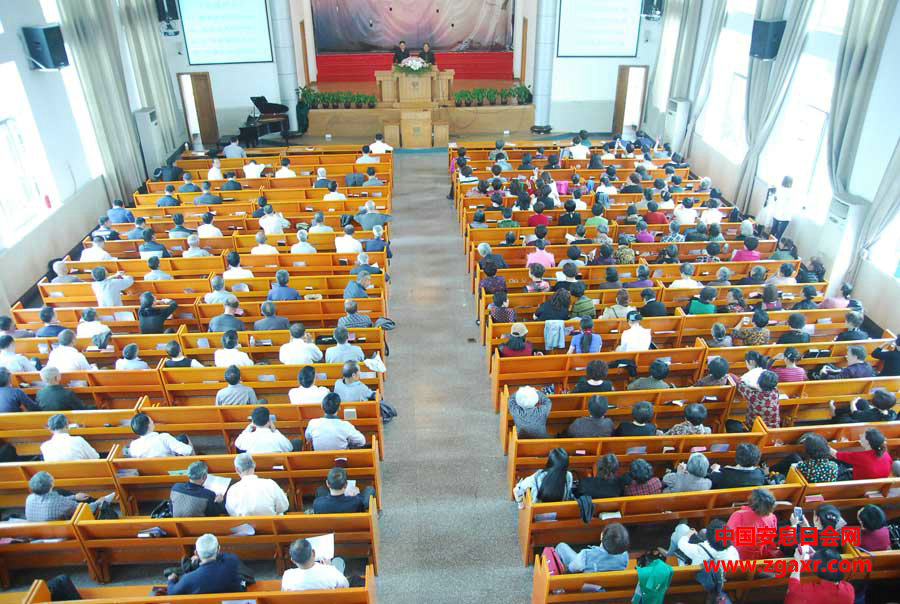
155	444
400	52
330	433
379	147
270	321
312	573
337	497
227	320
62	446
169	198
191	499
252	495
235	393
285	170
232	151
130	360
261	435
46	505
207	198
229	354
262	248
641	421
300	350
426	54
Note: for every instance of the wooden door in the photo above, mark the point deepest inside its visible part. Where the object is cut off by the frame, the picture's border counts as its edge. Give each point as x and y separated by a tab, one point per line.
619	106
199	98
624	86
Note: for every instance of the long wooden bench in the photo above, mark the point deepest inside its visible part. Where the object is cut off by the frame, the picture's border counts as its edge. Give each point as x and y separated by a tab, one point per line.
108	543
103	389
49	545
183	291
312	313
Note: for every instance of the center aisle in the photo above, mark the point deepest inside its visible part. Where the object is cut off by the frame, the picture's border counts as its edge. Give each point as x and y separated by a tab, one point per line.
448	533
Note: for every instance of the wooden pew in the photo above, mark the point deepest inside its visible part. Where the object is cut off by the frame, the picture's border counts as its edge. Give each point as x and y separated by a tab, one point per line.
110	543
103	389
151	347
703	506
88	476
183	291
678	298
564	370
835	352
298	473
312	313
329	286
62	547
782	441
29	318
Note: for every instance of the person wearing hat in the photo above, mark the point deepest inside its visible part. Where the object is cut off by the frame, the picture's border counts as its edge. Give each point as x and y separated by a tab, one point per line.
529	409
636	337
516	345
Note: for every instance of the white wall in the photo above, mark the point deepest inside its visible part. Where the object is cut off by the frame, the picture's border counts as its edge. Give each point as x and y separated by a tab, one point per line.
584	90
301	10
82	198
524	9
232	85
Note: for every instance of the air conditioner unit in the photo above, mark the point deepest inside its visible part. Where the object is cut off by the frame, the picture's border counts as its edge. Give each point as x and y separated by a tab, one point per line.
839	233
678	112
150	135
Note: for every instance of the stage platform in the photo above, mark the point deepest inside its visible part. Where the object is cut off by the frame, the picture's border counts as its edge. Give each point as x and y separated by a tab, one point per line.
361	66
372	87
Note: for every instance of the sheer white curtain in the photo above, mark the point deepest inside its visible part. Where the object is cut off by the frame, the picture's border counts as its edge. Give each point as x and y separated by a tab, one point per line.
698	91
88	27
661	75
154	85
768	83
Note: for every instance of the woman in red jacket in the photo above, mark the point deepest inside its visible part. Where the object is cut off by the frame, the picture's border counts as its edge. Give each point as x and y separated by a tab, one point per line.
873	461
829	587
759	516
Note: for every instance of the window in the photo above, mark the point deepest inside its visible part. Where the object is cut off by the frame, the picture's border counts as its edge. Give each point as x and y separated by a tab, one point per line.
885	254
27	177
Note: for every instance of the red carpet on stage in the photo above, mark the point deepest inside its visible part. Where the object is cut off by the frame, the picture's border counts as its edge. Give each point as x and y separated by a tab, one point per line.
359	67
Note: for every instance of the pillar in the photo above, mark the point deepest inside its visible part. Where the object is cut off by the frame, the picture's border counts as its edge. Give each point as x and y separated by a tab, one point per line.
285	62
544	49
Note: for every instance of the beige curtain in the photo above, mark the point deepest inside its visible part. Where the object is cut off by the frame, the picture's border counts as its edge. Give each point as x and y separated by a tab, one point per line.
661	75
154	85
88	27
768	83
698	91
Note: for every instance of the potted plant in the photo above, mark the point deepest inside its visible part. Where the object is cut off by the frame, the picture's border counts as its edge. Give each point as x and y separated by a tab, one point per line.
505	93
371	100
359	100
480	94
491	94
459	96
468	97
347	99
335	100
523	95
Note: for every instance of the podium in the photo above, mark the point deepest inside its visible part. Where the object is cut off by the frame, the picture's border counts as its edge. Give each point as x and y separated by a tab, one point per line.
408	90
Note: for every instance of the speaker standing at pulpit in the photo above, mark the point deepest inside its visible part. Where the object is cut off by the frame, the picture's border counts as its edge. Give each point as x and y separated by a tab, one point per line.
401	52
427	54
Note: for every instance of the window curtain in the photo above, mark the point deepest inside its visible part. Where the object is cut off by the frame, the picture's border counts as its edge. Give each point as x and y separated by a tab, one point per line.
865	31
880	214
768	83
662	75
698	91
154	85
88	27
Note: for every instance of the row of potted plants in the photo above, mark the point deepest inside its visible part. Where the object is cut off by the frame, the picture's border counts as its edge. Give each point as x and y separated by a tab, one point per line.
315	99
490	96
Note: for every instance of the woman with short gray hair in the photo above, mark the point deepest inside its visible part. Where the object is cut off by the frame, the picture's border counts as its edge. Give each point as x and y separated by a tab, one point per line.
690	476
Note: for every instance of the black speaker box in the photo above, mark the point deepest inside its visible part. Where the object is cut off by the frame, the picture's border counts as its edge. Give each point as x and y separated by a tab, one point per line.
45	46
766	39
167	10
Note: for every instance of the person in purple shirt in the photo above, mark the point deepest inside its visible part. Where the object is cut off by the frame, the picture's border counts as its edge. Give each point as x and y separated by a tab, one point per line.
280	292
643	275
856	366
13	399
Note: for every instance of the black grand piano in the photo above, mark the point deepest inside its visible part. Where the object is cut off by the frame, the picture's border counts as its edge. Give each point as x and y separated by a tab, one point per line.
272	118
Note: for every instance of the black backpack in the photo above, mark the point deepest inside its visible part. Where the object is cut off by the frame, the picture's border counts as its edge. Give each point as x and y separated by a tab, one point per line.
61	588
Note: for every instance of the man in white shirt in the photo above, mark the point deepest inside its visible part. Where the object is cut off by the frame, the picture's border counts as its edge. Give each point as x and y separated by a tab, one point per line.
330	433
318	224
218	295
311	573
65	357
578	150
261	436
784	208
194	250
62	446
96	252
229	354
272	223
155	273
10	360
711	215
207	229
155	444
365	158
300	350
687	277
253	169
252	495
302	246
685	212
262	248
307	392
346	244
285	170
379	147
89	326
234	270
333	194
108	291
234	150
343	352
215	173
636	337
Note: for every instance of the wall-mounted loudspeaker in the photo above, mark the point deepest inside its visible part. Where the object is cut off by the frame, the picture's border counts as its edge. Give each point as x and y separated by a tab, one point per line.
167	10
766	39
45	47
